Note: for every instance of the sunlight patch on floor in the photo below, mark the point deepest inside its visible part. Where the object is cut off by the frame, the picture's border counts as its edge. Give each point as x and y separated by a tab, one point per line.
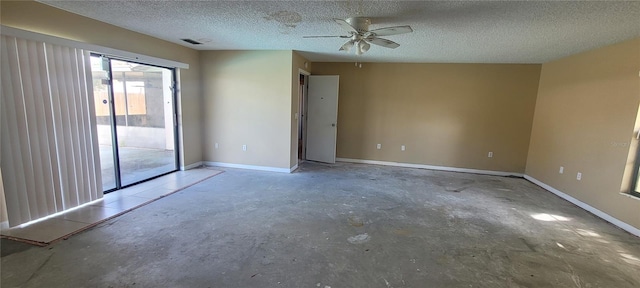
549	217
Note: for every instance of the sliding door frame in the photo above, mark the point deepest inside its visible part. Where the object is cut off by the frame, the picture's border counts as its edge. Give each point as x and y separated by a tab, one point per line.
114	127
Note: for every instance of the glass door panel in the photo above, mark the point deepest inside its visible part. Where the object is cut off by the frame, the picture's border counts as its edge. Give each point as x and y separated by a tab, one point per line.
101	95
135	121
144	112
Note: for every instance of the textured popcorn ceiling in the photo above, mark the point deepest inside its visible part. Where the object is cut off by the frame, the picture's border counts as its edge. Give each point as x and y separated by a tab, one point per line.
444	31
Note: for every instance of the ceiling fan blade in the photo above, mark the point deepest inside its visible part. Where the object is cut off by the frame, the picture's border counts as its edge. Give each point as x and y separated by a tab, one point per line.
342	36
392	30
345	25
347	46
383	42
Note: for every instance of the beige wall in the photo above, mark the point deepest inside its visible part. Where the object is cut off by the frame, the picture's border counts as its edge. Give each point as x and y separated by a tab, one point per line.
298	63
445	114
584	120
247	101
37	17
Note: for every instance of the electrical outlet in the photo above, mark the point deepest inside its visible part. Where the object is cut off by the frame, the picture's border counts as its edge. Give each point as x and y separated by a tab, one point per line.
490	155
403	148
244	147
216	145
561	170
379	146
579	176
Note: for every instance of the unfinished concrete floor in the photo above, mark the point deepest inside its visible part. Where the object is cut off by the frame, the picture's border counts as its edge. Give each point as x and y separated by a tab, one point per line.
342	225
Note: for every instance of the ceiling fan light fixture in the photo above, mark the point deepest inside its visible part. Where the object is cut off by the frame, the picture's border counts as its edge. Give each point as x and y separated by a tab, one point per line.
347	46
362	46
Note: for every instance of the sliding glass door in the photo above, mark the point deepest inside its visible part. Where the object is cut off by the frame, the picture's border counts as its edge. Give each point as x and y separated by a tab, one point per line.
101	95
135	113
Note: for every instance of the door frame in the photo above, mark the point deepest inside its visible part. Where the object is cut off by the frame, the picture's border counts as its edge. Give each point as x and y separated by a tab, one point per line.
302	113
636	171
114	127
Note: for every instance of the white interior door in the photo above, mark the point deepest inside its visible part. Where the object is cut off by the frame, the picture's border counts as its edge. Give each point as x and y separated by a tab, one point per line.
322	118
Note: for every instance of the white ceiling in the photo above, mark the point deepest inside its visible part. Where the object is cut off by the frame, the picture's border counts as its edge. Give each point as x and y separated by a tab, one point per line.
444	31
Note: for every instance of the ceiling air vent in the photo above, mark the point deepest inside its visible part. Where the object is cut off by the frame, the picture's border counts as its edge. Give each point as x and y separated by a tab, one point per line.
191	41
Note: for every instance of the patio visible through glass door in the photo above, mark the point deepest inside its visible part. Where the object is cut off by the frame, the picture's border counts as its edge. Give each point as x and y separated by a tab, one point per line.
135	112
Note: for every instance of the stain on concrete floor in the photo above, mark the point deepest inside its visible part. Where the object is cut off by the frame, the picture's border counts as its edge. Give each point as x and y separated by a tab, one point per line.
263	229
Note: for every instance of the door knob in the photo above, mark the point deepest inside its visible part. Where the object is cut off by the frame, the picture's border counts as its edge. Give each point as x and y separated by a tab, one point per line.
333	124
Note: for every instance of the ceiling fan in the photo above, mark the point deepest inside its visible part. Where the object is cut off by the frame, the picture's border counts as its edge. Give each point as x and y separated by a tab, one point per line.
360	36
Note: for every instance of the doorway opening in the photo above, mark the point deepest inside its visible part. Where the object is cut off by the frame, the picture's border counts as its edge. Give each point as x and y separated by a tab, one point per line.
635	182
302	114
135	109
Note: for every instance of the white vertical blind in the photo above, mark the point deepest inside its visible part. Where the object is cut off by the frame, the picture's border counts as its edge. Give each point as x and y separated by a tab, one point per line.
49	148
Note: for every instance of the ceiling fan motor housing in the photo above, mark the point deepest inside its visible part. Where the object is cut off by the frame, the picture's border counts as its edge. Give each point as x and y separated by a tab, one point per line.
361	24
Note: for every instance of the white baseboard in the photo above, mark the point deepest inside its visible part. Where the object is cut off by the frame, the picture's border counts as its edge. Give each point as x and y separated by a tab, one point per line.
585	206
293	168
191	166
250	167
431	167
